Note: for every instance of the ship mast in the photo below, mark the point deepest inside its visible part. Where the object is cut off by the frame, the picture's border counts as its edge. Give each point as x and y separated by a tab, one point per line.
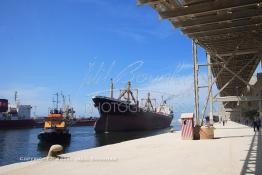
128	93
35	107
64	101
148	103
111	89
16	99
69	100
137	101
128	90
56	102
163	102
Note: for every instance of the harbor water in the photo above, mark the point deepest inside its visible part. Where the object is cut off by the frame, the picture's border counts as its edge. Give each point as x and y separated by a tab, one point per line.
22	144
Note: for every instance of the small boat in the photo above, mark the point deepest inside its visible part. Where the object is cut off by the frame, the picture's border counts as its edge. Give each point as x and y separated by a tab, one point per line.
56	126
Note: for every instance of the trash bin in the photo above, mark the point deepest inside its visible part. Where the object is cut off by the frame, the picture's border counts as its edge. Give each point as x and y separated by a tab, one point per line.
187	129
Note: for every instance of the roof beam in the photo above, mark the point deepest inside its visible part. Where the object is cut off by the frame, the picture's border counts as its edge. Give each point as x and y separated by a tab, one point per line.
141	2
231	30
217	18
232	71
188	2
228	29
235	75
241	52
247	51
218	26
237	98
220	41
213	36
206	7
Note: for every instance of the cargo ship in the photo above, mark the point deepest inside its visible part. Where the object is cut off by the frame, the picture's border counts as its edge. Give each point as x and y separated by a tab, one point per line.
18	116
125	114
57	124
15	116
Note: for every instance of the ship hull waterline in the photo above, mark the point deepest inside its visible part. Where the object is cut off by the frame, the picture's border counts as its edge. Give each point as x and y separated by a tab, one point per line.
54	137
118	116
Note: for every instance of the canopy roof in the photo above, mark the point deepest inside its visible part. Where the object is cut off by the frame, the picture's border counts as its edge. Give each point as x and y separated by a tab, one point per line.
229	30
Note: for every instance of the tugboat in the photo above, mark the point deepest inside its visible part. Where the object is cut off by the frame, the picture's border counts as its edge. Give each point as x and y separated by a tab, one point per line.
125	114
57	124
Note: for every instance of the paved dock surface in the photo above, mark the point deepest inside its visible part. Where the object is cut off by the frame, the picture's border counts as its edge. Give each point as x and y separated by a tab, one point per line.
236	150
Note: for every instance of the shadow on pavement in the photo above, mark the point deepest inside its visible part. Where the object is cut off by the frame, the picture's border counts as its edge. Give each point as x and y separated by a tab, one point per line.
234	128
253	161
227	137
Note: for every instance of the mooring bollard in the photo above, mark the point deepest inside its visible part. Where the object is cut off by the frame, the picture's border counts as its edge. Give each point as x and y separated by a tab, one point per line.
54	151
172	130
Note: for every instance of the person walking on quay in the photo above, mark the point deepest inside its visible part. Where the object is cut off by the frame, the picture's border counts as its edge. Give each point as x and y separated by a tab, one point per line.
255	124
258	123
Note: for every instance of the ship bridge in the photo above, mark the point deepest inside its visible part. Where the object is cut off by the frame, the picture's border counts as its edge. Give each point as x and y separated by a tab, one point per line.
231	33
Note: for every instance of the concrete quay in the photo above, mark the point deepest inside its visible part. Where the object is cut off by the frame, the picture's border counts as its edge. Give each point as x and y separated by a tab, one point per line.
236	149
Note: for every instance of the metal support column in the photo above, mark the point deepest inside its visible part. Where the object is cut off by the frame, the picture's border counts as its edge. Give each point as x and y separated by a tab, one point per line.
210	89
196	90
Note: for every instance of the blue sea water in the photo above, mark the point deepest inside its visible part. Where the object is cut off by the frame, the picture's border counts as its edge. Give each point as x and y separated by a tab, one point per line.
22	144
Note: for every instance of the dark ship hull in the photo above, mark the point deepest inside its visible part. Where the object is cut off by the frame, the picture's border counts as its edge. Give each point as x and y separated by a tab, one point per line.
13	124
116	115
83	122
53	136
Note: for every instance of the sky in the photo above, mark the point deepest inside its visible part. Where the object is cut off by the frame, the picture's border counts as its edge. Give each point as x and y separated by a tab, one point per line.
76	46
